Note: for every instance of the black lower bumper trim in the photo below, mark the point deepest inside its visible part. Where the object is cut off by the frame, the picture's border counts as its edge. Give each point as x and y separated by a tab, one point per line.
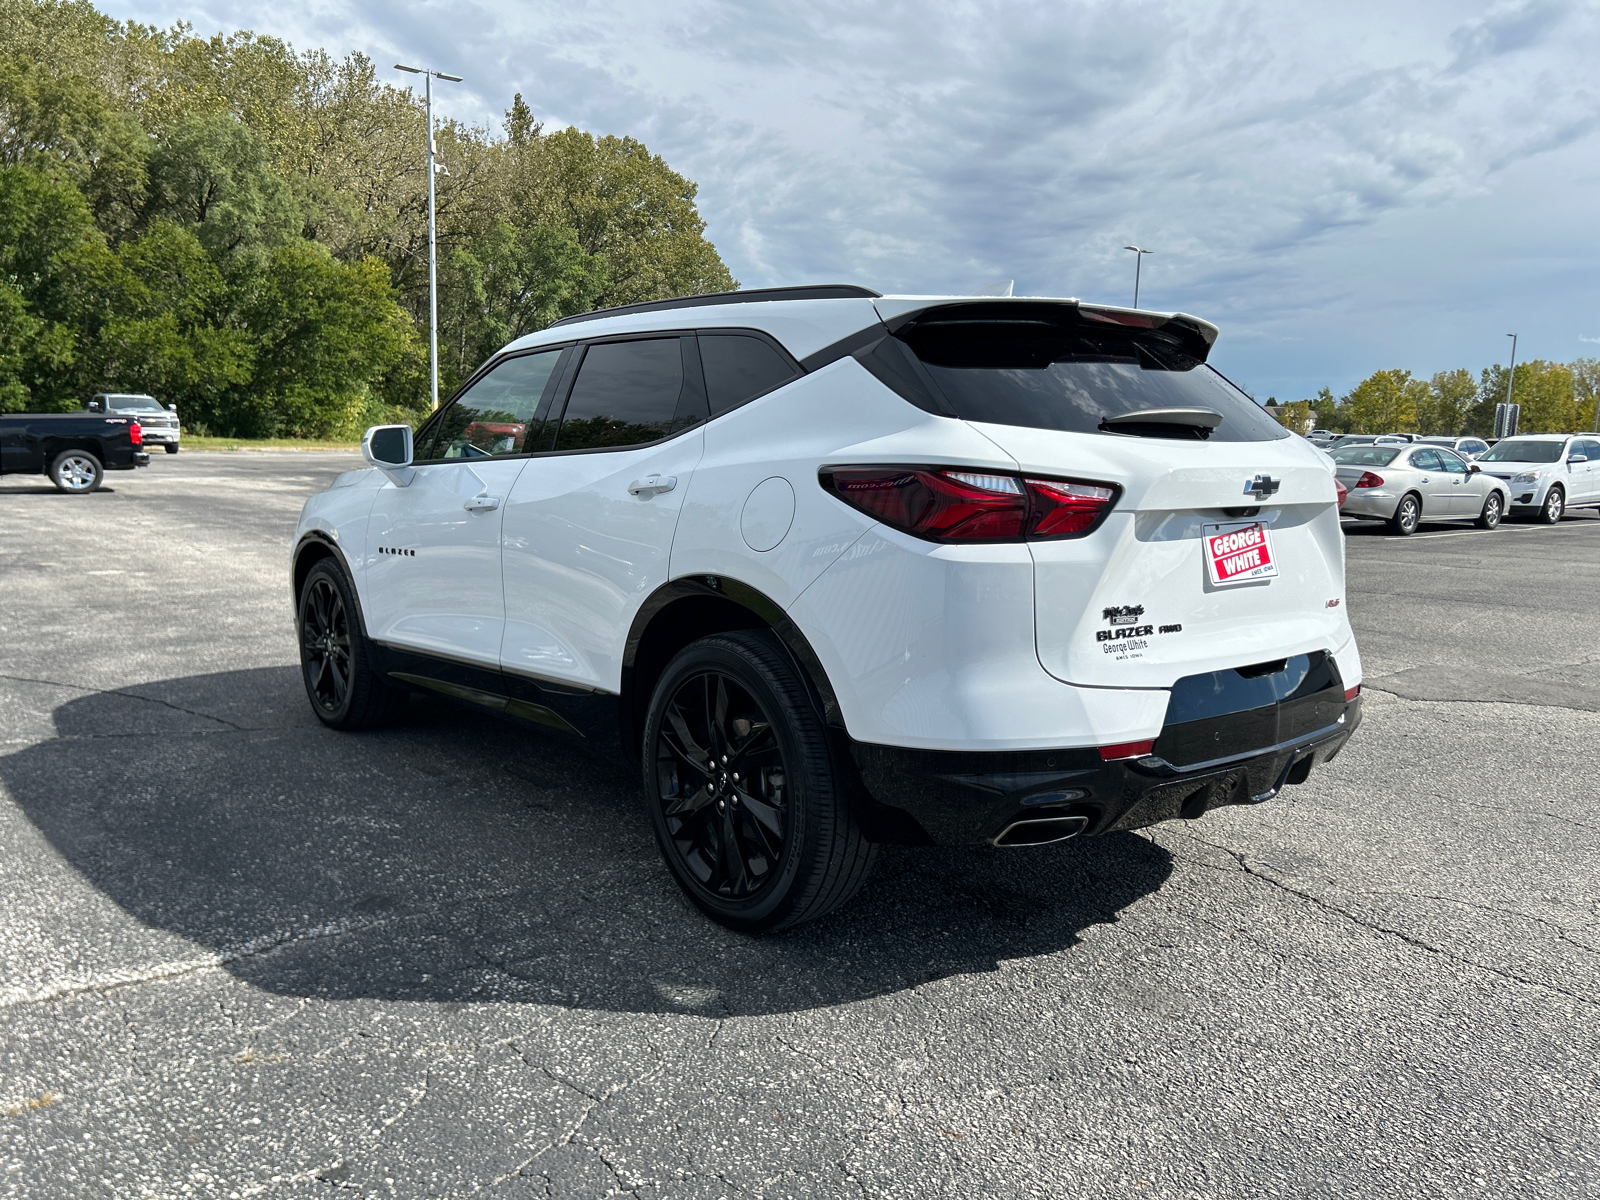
954	798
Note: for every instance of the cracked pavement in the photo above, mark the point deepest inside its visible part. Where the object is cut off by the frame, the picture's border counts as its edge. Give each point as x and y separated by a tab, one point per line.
243	955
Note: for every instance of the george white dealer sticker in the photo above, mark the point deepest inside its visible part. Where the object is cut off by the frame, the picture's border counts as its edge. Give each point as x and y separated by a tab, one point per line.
1238	553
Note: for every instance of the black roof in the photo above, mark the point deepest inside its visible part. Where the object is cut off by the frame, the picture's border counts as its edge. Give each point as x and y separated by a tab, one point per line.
810	291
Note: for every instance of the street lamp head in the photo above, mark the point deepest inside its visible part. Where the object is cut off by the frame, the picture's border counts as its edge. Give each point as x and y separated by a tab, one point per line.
412	70
426	71
451	78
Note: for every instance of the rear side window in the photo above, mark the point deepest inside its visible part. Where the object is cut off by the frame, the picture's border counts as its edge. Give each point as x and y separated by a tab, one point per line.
628	393
739	367
1052	369
500	414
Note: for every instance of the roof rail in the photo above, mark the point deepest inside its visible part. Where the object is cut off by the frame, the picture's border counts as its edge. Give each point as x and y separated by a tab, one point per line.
809	291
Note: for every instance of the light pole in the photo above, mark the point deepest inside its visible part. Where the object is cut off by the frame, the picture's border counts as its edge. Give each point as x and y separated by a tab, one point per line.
1511	374
1138	261
433	230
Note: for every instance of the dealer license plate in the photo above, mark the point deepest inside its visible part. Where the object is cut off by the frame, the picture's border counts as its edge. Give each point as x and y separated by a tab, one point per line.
1239	553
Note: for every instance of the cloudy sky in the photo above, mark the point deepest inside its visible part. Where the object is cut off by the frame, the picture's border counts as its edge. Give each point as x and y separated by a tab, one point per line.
1342	187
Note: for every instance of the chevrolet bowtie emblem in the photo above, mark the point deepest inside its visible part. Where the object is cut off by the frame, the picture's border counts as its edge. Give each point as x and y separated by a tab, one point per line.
1262	486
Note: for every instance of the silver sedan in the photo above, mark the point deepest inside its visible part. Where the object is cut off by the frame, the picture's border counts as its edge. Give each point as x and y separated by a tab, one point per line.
1407	484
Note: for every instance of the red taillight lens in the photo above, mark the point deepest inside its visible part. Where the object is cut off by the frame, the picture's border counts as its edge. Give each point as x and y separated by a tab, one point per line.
1127	750
1351	693
1344	492
1061	508
1368	479
950	504
136	433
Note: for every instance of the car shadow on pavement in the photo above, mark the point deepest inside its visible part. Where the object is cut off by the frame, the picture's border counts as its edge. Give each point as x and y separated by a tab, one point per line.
457	858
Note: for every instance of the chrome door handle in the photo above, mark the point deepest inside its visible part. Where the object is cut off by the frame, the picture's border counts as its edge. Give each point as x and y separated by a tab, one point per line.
482	504
652	485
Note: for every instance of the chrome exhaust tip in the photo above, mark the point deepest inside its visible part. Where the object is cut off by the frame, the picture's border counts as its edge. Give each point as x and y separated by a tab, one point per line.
1041	831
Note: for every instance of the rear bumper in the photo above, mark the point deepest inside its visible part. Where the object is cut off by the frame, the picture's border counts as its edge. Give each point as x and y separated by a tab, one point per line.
953	798
1373	503
137	459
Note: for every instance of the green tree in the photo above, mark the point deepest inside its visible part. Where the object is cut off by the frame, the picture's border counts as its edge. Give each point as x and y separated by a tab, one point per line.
1586	389
213	176
1327	412
1385	402
1443	410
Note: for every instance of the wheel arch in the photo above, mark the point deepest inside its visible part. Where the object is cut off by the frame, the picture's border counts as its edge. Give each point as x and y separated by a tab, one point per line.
693	607
314	547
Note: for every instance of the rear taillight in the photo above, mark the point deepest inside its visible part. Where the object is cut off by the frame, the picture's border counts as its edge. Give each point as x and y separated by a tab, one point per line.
136	433
1127	750
1343	492
949	504
1351	693
1368	479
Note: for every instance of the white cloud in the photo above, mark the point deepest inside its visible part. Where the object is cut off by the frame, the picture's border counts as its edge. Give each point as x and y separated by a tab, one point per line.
1358	186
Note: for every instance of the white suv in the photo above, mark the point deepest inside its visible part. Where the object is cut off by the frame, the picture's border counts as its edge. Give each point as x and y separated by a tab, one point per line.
839	569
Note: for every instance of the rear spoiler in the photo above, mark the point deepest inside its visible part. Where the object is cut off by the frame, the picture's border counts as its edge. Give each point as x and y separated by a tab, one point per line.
1189	334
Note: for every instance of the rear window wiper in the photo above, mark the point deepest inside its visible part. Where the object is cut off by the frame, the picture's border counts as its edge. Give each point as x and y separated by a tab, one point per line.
1164	422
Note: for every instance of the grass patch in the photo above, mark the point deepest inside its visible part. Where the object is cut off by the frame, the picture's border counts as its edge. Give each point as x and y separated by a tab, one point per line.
194	442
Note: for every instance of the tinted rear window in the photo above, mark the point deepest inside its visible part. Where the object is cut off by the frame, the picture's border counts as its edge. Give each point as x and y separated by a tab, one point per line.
1066	374
627	393
739	367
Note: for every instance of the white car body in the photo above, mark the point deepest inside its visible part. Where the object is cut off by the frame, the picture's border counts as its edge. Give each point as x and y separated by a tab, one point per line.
159	422
1572	467
968	679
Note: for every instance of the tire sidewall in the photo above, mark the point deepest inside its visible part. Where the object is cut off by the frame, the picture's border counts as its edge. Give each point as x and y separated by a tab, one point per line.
1400	525
1494	510
1551	515
774	900
325	570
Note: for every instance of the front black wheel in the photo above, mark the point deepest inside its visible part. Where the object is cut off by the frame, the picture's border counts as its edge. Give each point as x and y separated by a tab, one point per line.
336	661
754	821
1554	507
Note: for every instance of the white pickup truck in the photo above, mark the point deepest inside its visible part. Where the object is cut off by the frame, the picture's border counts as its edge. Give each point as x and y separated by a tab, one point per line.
160	423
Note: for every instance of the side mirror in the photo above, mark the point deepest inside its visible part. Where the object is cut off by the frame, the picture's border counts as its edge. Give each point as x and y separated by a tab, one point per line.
1577	458
172	408
388	447
96	406
1473	468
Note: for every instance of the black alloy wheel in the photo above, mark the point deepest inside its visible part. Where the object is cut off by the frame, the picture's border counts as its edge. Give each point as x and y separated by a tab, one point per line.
1493	510
325	646
1554	507
336	661
1407	516
720	776
754	821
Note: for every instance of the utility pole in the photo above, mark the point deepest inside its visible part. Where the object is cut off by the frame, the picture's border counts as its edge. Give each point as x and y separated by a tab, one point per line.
1138	261
433	168
1511	374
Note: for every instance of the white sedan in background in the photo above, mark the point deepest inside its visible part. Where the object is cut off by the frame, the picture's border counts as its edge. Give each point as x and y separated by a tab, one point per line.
1406	483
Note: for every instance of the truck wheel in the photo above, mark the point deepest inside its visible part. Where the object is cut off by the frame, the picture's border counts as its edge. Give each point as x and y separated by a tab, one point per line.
172	447
76	471
751	815
336	662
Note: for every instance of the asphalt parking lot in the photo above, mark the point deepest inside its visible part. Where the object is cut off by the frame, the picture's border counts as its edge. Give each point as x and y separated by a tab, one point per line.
242	955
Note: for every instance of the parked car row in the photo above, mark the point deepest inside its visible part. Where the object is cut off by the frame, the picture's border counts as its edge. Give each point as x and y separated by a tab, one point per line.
1405	483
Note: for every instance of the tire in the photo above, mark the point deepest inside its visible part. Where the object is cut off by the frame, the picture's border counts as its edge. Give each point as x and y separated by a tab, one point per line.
1554	506
76	472
172	447
1407	515
1493	509
796	850
336	661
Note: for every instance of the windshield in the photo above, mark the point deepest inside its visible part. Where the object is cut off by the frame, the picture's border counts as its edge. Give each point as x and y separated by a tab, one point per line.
1365	456
1057	374
133	404
1524	450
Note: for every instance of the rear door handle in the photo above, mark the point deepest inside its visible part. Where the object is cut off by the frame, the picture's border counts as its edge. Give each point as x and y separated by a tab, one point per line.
482	504
652	485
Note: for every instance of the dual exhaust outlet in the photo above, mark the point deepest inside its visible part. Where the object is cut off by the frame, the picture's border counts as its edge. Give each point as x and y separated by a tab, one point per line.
1041	831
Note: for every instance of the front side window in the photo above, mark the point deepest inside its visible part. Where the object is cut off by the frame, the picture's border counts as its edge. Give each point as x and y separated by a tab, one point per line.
1586	448
628	393
739	367
1452	463
501	414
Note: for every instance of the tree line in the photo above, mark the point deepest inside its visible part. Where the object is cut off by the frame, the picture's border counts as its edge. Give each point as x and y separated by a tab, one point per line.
241	228
1555	398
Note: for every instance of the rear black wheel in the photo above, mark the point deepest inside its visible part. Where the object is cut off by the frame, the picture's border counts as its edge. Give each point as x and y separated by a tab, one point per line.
751	816
336	661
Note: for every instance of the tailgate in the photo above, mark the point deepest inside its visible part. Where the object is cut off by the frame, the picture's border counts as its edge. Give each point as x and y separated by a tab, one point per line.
1135	604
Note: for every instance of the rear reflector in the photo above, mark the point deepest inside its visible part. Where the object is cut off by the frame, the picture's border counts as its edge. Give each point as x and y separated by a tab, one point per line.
136	433
1127	750
1352	693
1368	479
952	504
